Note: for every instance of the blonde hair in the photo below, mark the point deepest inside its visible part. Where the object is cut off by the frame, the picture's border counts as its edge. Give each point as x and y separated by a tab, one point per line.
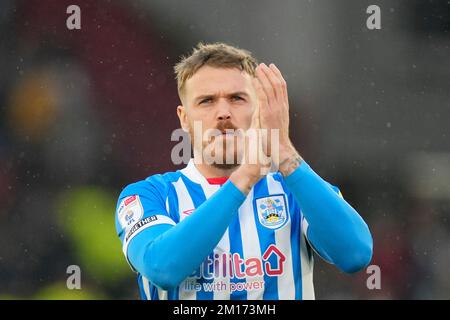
219	55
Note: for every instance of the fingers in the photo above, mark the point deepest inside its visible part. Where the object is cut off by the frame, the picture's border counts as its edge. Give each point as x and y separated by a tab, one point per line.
271	90
266	82
272	81
283	83
263	100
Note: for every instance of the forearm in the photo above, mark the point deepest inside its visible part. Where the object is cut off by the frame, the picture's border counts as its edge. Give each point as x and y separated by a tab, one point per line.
168	258
336	230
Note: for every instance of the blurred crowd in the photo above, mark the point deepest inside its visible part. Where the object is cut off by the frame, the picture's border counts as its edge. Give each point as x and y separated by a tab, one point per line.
82	114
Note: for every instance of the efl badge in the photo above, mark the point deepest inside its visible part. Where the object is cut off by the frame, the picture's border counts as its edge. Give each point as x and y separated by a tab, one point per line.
272	211
130	211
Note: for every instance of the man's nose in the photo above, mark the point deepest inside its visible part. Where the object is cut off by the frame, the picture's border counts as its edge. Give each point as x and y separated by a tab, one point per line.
223	110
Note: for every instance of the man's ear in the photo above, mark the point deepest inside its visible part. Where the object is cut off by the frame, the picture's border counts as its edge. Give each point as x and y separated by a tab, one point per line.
182	115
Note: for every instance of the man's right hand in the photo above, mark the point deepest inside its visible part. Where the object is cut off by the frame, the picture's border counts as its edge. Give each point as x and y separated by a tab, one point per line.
255	163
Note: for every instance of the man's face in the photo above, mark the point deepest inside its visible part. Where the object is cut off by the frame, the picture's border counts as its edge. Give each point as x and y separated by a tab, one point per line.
220	99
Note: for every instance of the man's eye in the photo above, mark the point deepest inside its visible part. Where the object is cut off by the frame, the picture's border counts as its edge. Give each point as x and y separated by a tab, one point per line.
236	98
207	100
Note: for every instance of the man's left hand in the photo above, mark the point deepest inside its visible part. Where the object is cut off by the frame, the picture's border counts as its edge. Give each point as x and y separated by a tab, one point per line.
271	90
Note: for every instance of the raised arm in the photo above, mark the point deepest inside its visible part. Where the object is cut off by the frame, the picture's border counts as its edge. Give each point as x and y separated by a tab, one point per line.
335	229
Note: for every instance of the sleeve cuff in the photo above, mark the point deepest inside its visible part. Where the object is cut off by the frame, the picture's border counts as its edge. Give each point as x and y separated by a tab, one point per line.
234	191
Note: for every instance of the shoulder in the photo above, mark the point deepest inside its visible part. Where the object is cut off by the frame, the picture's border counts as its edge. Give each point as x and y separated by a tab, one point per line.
143	198
152	185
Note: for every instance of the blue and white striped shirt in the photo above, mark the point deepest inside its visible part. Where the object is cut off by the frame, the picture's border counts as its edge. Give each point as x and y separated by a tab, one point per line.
263	254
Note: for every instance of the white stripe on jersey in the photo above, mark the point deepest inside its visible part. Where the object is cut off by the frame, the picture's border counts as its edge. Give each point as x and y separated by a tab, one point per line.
286	284
250	241
184	204
307	271
146	285
162	294
222	247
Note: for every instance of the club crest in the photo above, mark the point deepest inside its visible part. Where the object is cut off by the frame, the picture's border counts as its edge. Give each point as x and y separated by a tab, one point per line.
272	211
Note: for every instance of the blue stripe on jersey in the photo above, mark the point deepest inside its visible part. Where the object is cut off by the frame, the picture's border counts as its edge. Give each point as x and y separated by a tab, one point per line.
154	293
296	239
141	287
296	231
234	233
266	238
198	197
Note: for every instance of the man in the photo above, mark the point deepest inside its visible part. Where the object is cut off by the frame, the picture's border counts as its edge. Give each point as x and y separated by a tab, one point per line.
236	229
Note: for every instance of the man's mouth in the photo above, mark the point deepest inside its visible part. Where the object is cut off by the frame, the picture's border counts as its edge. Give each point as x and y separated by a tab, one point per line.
229	132
223	136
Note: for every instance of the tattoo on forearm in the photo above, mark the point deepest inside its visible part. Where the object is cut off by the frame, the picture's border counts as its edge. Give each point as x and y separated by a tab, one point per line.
289	165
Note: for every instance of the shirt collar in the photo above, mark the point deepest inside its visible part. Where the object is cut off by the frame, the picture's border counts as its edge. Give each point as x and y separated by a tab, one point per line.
191	172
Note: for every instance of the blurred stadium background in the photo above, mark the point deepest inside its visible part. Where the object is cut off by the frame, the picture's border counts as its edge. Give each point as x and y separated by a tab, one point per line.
85	112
